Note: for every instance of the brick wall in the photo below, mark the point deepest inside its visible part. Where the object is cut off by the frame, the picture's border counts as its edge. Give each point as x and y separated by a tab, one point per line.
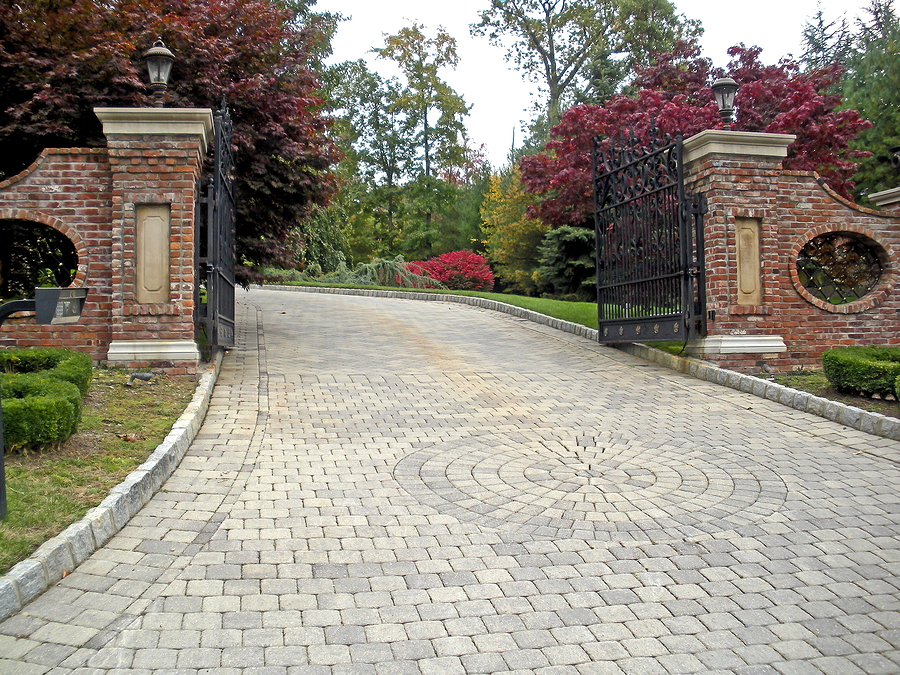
150	170
70	191
791	208
153	157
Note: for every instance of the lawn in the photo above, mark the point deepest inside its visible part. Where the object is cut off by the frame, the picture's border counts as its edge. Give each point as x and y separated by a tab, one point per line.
121	426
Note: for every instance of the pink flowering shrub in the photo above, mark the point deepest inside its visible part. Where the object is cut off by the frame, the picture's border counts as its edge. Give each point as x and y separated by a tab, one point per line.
458	271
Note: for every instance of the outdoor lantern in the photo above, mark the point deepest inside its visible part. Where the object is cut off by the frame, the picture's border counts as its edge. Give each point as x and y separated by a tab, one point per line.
895	157
724	89
159	64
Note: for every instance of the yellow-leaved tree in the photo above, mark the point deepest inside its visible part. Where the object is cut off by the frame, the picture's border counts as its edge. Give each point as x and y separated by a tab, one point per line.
512	237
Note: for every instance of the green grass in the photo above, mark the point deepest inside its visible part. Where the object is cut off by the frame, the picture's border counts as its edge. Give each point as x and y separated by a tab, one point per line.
584	313
814	382
120	427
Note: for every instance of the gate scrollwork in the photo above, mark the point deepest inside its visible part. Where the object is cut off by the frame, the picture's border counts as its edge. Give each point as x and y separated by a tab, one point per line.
649	237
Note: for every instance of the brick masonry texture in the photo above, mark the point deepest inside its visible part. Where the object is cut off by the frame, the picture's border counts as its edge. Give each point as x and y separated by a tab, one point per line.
90	195
792	207
340	512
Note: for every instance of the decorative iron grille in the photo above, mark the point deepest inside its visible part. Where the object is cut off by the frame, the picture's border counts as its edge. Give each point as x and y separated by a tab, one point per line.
215	238
838	267
650	283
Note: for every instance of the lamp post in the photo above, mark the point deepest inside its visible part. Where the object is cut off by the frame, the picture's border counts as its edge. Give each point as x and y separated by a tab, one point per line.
724	91
159	62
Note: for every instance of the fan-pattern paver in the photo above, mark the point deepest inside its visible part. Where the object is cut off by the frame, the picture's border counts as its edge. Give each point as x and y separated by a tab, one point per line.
390	487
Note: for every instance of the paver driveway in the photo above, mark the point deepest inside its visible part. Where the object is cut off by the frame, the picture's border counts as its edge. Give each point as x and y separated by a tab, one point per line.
385	486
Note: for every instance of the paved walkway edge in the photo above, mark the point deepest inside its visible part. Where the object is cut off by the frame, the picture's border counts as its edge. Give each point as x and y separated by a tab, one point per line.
849	416
64	552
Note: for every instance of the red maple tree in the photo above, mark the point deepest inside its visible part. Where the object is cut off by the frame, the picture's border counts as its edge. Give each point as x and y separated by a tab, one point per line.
674	95
61	58
457	270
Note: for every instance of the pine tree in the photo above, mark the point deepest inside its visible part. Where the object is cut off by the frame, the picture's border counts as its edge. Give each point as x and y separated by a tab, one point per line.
872	86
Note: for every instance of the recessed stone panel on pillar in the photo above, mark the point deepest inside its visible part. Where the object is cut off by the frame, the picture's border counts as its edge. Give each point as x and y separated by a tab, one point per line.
152	253
749	286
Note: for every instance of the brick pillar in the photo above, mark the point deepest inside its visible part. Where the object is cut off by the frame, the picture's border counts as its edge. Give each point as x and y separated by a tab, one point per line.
155	155
739	173
888	200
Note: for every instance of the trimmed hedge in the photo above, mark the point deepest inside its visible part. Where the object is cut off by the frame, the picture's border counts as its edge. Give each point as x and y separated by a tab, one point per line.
863	370
57	363
38	411
42	393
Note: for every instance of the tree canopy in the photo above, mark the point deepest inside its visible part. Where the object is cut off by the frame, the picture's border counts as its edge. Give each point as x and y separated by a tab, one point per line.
675	96
61	58
872	86
568	46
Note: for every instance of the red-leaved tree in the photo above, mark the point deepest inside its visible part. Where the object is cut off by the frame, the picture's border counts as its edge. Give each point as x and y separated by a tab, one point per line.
61	58
458	271
674	95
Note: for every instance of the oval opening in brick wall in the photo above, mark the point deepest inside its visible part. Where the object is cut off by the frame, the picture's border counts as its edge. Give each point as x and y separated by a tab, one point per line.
840	267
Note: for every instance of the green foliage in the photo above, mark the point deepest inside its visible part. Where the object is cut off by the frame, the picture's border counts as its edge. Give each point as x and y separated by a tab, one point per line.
38	411
384	272
409	183
865	370
568	47
377	142
77	370
389	273
825	42
432	110
460	223
119	429
41	394
33	360
872	86
33	255
513	239
322	244
567	263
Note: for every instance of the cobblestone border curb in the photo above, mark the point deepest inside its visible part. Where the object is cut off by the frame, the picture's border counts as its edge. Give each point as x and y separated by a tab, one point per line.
849	416
64	552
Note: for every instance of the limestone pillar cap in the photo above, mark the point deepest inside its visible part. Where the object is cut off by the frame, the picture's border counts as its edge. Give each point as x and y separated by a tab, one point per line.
722	142
159	121
885	197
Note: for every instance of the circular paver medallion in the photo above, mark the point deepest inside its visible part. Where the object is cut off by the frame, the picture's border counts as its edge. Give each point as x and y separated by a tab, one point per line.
617	490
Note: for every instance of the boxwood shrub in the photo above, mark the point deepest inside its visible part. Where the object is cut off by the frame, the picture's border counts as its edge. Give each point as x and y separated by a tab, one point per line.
57	363
32	360
863	370
42	391
38	411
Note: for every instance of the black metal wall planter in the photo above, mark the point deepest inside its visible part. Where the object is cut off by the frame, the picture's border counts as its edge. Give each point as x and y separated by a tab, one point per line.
649	234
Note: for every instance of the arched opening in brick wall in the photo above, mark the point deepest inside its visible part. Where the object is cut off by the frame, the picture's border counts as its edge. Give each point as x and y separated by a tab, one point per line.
34	254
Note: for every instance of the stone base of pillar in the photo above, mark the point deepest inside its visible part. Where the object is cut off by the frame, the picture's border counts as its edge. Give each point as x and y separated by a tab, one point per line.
171	355
737	344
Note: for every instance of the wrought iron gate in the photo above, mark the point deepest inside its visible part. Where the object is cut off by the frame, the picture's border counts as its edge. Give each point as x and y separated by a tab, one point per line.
215	239
650	263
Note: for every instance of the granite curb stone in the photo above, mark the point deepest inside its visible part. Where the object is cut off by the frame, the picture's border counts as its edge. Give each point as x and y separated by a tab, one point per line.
849	416
61	554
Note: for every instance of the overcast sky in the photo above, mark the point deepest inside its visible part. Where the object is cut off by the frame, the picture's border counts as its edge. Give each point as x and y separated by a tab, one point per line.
500	95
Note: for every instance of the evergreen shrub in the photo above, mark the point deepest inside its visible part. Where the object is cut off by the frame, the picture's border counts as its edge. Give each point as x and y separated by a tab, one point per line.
42	391
863	370
38	411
